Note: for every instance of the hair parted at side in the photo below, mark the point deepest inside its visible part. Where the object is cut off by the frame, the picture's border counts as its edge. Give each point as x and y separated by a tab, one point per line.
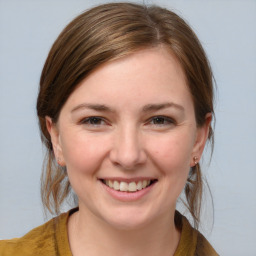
108	32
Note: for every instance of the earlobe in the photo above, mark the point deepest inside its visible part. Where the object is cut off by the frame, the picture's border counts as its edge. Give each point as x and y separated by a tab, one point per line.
201	138
54	133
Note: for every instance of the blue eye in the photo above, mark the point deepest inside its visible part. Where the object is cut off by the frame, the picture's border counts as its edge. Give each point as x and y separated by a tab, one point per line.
161	120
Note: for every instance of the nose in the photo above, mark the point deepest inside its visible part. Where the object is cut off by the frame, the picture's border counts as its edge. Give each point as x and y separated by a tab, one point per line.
128	151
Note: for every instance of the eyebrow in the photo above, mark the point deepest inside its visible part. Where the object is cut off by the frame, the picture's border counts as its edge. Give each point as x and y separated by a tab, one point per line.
97	107
146	108
155	107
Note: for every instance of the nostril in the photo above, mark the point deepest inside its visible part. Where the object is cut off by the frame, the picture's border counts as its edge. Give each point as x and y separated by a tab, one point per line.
128	160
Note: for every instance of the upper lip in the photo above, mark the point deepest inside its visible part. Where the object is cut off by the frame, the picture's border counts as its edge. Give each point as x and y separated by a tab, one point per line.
128	180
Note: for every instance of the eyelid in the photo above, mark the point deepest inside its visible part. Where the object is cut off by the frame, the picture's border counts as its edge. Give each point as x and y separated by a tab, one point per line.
86	121
167	121
166	118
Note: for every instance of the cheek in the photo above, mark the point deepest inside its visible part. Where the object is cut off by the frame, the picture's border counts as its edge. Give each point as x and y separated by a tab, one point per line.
171	156
171	153
83	154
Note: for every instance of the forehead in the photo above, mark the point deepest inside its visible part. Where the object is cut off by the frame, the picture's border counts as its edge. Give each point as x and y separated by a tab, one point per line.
145	76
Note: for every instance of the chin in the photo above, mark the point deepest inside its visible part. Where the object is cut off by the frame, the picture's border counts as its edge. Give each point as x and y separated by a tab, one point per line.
129	219
128	224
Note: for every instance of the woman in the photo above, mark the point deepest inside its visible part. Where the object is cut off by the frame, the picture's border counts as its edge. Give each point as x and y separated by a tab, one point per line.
125	108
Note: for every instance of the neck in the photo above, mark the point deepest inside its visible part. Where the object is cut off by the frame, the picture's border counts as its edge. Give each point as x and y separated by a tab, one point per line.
86	232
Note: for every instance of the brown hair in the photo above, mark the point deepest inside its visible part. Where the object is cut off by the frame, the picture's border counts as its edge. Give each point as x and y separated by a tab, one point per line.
108	32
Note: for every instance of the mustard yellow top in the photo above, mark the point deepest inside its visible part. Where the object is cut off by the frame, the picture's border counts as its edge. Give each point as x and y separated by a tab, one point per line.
51	239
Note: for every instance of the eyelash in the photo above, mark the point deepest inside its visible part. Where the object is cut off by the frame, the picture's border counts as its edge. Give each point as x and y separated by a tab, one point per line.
90	120
96	121
164	119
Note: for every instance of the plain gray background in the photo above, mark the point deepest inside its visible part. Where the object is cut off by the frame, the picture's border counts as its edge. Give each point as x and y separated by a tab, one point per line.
227	30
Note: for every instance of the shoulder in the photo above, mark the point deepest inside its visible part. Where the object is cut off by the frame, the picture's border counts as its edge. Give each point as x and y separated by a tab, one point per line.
192	242
39	241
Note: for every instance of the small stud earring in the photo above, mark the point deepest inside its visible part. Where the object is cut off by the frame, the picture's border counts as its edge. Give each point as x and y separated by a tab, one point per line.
195	158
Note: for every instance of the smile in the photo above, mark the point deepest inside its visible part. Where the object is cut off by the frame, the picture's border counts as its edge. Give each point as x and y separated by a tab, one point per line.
128	186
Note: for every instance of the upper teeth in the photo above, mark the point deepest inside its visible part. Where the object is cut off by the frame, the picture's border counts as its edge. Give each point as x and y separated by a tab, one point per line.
127	187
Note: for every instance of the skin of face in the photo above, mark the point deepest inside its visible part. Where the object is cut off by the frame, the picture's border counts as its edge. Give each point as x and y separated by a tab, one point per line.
132	118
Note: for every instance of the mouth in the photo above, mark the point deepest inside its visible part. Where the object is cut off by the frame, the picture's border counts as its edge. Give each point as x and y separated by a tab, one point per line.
131	187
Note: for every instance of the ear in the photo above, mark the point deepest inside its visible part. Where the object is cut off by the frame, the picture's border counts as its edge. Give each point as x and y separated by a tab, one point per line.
201	138
55	139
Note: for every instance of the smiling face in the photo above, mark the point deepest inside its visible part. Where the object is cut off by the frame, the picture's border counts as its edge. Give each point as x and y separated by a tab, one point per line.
127	136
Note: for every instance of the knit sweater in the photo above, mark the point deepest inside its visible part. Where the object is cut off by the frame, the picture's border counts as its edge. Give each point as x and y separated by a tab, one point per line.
51	239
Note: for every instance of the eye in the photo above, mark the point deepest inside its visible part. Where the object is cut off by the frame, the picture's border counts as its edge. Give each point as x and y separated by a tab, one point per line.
94	121
161	120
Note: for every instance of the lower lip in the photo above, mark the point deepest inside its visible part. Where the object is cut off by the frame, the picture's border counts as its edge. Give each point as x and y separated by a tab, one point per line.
128	196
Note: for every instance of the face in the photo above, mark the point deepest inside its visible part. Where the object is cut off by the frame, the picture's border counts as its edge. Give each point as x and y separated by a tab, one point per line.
127	136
